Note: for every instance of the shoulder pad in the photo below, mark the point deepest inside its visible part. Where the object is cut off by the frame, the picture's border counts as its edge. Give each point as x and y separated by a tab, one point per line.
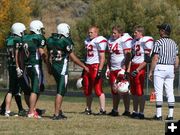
126	37
101	39
147	38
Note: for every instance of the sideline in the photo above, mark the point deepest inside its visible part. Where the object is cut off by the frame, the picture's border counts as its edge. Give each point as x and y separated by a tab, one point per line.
80	94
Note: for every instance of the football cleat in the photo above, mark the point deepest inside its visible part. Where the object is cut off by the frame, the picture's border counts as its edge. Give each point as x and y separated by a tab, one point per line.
113	113
22	113
126	113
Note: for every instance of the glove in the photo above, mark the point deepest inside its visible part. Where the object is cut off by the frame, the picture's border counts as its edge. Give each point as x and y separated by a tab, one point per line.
107	74
99	74
126	76
134	73
19	72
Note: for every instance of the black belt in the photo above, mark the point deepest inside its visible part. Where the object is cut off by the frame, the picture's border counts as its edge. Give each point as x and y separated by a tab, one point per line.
165	64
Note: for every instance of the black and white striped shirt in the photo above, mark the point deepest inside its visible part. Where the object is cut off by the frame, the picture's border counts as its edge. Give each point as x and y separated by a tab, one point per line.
167	50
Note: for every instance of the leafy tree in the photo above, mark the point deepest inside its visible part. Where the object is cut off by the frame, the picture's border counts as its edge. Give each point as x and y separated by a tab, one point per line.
12	11
128	13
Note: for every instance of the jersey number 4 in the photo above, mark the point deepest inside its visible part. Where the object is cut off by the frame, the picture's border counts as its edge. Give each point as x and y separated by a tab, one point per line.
114	48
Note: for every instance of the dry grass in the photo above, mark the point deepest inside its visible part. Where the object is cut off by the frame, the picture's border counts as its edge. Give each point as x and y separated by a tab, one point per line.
80	124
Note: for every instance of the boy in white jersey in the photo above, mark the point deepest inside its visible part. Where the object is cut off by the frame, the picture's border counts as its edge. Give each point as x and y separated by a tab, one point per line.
119	56
141	46
95	46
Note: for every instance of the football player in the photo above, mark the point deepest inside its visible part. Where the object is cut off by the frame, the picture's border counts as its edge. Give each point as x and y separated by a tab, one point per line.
16	79
141	48
95	46
119	56
60	49
33	51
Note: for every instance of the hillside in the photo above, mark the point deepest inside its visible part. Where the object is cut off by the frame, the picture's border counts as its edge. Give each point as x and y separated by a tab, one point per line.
54	12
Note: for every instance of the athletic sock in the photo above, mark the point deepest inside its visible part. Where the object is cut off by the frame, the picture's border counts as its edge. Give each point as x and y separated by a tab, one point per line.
171	109
158	109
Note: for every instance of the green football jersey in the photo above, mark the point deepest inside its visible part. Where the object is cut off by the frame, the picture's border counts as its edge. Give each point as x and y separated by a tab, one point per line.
59	49
31	44
11	43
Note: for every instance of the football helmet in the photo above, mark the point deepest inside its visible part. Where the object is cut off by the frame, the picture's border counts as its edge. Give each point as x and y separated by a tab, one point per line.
18	29
36	26
63	29
122	86
79	83
120	75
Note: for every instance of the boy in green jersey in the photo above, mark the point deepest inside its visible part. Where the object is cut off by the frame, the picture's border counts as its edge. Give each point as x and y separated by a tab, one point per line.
60	48
33	48
16	78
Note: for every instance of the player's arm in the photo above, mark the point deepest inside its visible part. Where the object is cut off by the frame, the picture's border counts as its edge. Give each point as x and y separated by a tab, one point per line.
101	60
153	64
177	62
18	70
127	54
43	55
77	61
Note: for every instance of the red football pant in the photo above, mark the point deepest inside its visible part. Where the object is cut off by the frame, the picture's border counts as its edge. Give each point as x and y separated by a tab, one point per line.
90	81
137	83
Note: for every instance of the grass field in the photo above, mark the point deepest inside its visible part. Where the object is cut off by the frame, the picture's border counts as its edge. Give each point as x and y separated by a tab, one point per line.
80	124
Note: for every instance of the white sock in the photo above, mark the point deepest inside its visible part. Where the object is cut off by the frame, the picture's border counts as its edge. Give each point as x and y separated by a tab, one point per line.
8	111
159	111
171	111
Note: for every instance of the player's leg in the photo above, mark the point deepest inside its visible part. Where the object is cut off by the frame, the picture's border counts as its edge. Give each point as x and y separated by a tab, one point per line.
33	73
140	93
158	86
133	89
126	101
61	90
8	104
87	87
24	84
13	90
115	95
97	83
3	106
168	83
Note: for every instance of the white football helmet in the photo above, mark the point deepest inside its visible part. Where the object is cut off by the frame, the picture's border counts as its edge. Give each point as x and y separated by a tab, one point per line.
36	26
122	86
18	29
120	74
64	29
79	83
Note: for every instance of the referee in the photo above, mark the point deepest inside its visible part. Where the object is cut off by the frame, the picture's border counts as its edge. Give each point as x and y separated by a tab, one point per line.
164	61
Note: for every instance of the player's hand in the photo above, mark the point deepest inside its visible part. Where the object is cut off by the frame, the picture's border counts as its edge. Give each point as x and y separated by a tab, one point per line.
134	73
86	69
19	72
150	76
107	73
99	75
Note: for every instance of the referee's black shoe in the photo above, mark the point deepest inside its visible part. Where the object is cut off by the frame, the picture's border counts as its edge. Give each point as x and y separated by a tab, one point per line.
157	118
169	118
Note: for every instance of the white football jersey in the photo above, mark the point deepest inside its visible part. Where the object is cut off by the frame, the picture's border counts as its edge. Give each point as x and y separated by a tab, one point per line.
116	49
93	48
140	47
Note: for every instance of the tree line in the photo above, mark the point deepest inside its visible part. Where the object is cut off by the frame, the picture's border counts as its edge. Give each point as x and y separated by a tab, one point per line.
103	13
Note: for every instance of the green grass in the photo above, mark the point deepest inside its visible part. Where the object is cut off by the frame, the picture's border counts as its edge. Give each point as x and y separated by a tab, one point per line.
79	124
